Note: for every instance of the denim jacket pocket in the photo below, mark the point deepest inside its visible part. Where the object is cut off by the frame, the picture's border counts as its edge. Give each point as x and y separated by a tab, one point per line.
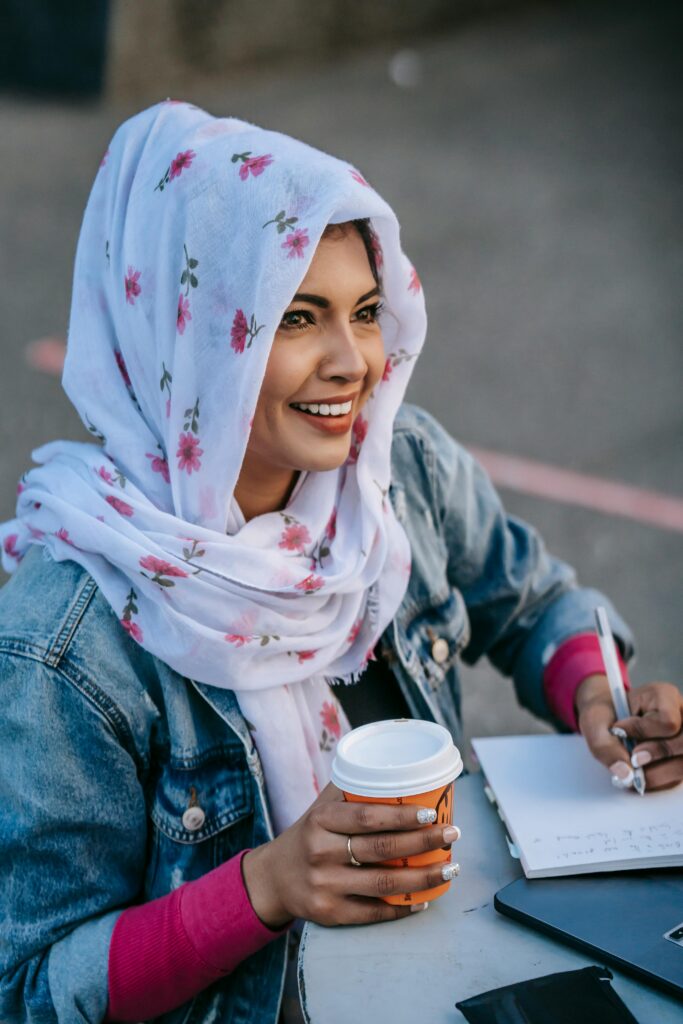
201	815
438	634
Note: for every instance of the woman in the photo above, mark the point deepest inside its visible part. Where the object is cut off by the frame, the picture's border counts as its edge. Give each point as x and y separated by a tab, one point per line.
262	522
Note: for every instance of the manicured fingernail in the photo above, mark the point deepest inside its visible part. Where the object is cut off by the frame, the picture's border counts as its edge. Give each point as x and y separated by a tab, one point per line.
620	733
451	833
417	907
641	758
620	769
622	783
426	815
449	871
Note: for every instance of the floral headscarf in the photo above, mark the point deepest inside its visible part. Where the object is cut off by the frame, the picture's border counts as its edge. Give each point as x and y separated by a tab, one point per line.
196	235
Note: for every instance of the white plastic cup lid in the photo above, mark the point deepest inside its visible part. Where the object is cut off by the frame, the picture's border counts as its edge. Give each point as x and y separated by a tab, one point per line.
400	757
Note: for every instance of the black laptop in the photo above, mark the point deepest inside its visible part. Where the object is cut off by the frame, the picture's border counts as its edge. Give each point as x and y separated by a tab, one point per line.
633	919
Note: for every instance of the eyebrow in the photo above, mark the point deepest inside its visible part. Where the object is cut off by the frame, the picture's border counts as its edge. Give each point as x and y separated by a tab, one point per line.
318	300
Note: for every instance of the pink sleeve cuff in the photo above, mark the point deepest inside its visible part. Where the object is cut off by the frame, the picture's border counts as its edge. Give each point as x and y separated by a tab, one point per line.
573	661
164	952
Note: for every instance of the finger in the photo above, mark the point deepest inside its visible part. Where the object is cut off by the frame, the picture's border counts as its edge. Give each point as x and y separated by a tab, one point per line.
664	775
358	818
661	749
380	846
657	710
330	794
596	721
360	910
381	882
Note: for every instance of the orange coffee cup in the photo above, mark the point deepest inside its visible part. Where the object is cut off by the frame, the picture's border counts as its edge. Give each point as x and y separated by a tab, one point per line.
402	761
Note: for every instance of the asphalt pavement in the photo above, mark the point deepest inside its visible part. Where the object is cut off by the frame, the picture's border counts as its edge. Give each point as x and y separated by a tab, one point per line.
534	161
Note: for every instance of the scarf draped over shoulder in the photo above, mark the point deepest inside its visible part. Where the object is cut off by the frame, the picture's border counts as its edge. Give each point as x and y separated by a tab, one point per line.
197	232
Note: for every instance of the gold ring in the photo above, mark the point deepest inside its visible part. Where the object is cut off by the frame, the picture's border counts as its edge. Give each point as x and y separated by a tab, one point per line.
356	863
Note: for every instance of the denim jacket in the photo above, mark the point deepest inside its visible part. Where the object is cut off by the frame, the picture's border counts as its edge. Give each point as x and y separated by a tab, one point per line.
103	747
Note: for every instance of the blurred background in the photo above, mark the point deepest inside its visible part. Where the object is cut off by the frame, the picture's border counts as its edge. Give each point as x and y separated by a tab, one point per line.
532	152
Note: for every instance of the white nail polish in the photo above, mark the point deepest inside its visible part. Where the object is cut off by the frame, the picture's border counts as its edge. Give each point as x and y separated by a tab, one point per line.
641	758
617	731
449	871
624	783
417	907
426	816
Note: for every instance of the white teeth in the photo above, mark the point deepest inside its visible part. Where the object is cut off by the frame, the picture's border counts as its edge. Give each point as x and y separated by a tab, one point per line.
323	409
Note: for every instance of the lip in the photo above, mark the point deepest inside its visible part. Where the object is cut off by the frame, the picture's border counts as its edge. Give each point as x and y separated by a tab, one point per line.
327	424
332	400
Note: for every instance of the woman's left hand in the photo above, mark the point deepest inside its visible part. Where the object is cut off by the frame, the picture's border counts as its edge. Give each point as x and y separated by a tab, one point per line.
655	725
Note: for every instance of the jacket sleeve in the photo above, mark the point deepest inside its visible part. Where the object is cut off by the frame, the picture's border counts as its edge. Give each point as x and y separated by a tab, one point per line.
522	602
72	844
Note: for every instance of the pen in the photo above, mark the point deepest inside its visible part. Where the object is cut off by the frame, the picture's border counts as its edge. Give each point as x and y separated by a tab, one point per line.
616	688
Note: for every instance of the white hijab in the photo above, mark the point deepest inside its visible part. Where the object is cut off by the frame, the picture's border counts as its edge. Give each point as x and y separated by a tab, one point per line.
196	235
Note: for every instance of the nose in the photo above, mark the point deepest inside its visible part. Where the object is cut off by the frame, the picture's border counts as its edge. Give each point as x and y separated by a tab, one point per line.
343	358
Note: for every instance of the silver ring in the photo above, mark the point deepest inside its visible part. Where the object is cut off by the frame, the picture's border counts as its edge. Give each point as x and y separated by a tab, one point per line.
356	863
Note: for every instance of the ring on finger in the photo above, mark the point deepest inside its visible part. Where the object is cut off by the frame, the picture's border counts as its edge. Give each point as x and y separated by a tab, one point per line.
356	863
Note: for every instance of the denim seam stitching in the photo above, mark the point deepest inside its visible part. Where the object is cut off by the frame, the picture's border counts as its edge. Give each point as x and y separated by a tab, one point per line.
71	622
95	697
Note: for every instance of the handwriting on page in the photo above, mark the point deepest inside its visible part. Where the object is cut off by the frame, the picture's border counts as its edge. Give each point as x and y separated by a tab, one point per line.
640	841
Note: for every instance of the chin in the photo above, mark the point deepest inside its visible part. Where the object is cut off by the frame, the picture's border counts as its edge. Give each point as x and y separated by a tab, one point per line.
324	463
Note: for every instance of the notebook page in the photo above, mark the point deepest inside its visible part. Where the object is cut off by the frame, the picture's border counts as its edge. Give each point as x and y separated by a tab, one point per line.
564	814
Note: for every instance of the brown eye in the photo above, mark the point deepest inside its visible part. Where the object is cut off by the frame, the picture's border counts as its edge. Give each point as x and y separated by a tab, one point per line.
370	314
297	319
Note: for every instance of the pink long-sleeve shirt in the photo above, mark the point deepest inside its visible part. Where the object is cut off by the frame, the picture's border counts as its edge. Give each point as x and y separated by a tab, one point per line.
164	952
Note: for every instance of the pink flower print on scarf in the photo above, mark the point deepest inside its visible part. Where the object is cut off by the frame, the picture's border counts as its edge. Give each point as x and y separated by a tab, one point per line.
182	161
296	243
123	369
354	631
105	475
10	546
188	443
305	656
330	718
183	314
159	464
253	165
176	168
414	285
126	619
238	639
357	176
241	330
160	569
122	507
63	534
131	285
359	432
310	584
188	453
331	528
331	726
387	370
294	537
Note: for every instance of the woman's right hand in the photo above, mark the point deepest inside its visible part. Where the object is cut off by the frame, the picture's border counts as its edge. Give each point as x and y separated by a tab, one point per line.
306	872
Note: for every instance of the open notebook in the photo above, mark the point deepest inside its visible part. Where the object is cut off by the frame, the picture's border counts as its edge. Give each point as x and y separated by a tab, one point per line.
565	817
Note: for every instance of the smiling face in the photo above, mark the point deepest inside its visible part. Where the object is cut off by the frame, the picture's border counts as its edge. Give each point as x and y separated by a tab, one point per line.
327	351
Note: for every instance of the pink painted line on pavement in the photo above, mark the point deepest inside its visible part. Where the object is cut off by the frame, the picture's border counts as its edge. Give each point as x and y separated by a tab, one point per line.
47	354
591	492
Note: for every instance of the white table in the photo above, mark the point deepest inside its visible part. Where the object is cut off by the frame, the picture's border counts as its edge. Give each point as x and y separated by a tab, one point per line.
417	968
